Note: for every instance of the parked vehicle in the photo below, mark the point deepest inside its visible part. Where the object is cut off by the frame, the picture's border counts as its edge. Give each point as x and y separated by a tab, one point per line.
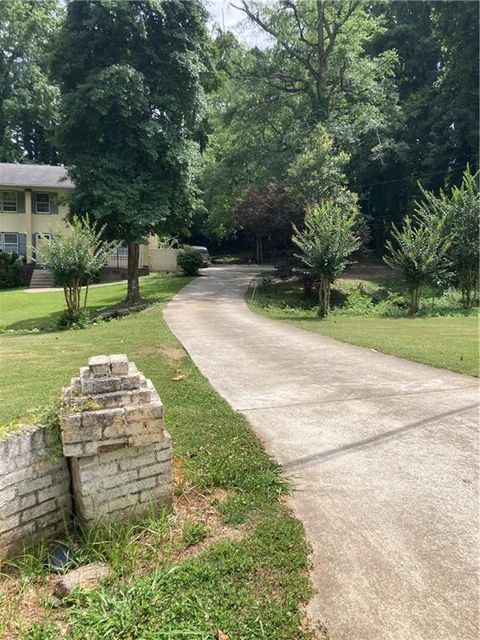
203	251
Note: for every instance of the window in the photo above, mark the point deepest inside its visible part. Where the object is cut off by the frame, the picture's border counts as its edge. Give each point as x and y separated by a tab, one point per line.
43	203
9	201
9	242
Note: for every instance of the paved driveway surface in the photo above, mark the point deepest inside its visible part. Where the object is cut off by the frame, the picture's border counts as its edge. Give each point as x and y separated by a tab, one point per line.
382	452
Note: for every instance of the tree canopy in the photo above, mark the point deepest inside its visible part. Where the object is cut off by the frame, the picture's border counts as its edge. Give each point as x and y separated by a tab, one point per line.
129	74
164	127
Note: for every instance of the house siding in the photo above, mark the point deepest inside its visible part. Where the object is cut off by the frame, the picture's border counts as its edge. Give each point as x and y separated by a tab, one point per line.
31	223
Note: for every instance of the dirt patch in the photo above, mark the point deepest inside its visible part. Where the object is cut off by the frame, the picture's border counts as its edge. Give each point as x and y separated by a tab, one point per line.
193	507
23	603
173	354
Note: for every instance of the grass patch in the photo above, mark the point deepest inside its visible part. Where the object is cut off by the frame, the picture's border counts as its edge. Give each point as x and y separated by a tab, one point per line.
229	559
23	310
372	313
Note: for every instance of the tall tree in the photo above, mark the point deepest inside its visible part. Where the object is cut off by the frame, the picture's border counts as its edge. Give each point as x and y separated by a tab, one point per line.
131	111
28	98
437	79
455	133
314	70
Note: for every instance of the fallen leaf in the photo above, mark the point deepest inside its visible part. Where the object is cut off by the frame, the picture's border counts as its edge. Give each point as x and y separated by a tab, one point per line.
222	636
178	377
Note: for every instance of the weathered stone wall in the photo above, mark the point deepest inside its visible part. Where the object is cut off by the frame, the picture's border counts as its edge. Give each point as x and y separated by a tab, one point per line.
120	467
34	488
113	431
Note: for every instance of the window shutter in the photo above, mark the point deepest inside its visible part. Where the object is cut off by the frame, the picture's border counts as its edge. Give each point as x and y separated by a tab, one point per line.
53	203
21	201
22	244
34	202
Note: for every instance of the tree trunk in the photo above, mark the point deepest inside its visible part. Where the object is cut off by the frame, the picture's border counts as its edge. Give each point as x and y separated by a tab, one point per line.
415	295
259	250
324	296
133	287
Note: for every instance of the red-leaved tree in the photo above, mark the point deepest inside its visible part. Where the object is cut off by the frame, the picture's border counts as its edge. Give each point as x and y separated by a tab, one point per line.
267	216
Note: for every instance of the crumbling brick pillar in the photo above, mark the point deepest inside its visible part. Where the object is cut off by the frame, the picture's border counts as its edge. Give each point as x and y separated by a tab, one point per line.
113	432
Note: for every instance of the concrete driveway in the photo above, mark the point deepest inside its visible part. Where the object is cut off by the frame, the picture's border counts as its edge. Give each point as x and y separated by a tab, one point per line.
382	452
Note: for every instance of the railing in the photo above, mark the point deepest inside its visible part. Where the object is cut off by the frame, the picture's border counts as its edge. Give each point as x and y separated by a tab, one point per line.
118	261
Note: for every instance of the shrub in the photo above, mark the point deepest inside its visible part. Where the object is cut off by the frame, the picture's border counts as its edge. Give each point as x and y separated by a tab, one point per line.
75	257
10	271
463	218
189	261
420	254
326	244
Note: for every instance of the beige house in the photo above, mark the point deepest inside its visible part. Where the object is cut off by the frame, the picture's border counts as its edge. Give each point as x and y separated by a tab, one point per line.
33	204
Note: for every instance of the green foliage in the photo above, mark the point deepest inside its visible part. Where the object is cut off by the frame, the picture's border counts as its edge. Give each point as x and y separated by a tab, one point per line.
317	172
129	74
76	256
153	591
419	255
324	96
463	220
36	631
29	100
193	533
326	244
189	261
373	313
167	242
10	271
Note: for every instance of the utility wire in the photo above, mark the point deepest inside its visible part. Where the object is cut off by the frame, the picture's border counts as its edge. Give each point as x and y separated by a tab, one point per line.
424	175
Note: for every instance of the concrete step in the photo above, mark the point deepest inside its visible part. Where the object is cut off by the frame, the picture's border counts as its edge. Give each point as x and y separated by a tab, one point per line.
41	278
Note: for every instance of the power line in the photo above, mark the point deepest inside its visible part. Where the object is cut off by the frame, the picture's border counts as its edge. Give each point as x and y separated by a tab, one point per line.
424	175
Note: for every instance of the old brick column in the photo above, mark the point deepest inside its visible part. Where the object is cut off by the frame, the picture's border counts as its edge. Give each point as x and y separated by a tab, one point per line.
113	432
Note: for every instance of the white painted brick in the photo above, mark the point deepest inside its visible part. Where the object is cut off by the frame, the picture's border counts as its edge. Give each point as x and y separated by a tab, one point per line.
151	470
16	477
7	495
107	495
9	523
38	511
54	491
163	455
119	364
20	504
33	485
146	483
160	495
99	366
138	460
123	501
73	450
146	439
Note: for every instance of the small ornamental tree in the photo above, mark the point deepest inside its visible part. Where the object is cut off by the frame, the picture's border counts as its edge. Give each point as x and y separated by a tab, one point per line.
75	257
267	214
461	208
326	243
420	252
463	221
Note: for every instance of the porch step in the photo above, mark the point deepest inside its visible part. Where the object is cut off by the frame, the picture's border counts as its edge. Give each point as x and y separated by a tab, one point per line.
41	278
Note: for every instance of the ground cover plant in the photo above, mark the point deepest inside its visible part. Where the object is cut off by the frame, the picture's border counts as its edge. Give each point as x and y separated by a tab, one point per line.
373	312
229	560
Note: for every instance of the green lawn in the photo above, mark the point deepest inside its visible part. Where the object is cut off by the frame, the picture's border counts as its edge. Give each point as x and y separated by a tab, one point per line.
248	580
21	309
447	341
